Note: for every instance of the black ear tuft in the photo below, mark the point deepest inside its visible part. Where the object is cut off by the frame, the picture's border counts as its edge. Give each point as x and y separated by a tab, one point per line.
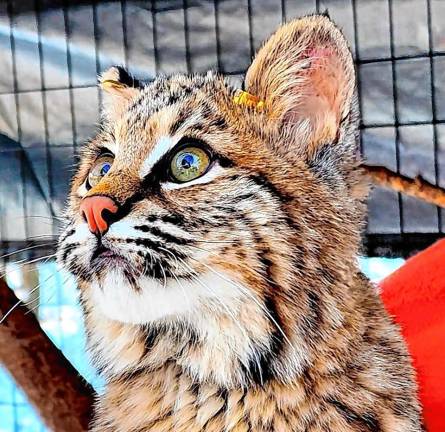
119	88
326	13
127	79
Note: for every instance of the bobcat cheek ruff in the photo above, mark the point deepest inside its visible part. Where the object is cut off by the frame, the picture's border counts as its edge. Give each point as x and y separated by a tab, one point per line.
225	295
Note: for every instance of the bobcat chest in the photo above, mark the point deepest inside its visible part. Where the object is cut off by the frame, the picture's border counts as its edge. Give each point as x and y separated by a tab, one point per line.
168	400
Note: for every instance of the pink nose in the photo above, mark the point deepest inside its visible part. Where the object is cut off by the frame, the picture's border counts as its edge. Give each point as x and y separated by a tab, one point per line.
93	208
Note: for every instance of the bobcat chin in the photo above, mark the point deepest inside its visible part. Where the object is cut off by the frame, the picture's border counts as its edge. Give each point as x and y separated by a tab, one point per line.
215	246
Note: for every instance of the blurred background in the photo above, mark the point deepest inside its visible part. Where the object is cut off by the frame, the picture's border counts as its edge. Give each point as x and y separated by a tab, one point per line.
52	51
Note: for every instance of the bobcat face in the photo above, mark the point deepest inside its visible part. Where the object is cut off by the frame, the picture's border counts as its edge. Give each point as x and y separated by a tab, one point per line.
186	201
192	197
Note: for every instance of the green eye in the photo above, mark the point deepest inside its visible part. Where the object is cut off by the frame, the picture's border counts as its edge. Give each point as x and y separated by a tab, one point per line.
99	169
189	164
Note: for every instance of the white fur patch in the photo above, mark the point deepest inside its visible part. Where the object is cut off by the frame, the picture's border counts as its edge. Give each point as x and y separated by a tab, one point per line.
211	175
125	229
82	190
163	146
117	300
81	233
112	147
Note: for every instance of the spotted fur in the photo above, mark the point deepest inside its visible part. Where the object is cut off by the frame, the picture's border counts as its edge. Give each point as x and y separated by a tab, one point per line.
234	302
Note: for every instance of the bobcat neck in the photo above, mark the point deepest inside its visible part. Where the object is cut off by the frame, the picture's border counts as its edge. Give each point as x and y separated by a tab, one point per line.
259	332
239	345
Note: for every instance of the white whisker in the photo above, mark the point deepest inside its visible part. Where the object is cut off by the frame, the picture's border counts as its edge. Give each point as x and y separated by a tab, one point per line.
26	249
22	263
16	305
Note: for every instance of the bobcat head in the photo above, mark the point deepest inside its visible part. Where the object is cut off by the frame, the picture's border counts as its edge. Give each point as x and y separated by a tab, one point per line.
221	221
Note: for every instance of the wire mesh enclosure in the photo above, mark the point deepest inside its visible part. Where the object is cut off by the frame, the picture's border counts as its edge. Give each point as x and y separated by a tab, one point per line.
52	51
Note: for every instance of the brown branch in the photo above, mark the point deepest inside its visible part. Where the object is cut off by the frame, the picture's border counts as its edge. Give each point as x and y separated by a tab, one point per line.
417	187
62	398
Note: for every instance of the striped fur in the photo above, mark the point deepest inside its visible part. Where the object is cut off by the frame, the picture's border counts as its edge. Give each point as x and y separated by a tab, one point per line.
237	303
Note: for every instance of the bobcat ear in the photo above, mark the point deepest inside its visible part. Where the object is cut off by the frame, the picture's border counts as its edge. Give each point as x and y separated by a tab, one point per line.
305	75
119	87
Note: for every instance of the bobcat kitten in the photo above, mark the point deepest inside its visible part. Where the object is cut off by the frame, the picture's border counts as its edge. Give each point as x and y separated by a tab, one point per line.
215	246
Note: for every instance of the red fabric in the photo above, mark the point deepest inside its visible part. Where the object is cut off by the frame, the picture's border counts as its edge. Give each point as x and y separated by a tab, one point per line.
415	296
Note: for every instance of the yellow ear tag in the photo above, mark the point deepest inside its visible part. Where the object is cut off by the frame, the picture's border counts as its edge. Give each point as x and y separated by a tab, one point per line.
111	84
243	98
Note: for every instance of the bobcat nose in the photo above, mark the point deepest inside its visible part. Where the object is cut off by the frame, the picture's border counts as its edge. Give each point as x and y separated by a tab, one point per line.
97	211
